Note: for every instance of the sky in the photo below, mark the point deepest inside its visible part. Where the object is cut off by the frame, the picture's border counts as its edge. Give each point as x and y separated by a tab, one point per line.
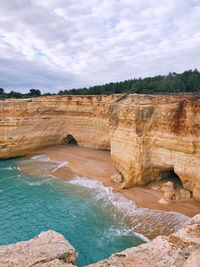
61	44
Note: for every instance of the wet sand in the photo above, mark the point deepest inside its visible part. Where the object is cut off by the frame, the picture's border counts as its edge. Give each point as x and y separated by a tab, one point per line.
96	164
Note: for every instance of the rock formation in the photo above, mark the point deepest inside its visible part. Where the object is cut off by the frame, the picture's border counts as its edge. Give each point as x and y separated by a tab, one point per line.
48	249
148	134
181	249
30	124
153	134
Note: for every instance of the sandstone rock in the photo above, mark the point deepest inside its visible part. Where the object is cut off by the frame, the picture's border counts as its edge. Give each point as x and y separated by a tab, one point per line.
117	178
48	249
185	193
181	249
176	197
30	124
164	201
169	195
167	187
151	134
148	134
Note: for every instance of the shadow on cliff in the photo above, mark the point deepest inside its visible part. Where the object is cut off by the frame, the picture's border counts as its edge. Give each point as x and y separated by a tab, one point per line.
70	140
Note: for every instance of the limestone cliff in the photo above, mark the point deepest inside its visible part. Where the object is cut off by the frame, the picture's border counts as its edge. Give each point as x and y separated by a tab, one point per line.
147	134
30	124
153	134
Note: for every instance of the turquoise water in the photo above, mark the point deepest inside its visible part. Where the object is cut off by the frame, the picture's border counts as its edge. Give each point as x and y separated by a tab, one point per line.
86	217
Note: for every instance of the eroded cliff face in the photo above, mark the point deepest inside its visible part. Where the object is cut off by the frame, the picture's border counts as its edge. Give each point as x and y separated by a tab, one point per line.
27	125
153	134
147	134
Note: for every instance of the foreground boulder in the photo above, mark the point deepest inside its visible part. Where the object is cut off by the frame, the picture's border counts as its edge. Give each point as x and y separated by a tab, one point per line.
181	249
48	249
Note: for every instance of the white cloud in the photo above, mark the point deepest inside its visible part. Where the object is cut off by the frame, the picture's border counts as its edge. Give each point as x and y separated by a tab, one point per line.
78	43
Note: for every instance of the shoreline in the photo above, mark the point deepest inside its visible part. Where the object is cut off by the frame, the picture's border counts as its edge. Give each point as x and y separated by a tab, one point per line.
97	165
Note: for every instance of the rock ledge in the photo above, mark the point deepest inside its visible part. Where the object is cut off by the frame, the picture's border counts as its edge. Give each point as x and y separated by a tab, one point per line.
48	249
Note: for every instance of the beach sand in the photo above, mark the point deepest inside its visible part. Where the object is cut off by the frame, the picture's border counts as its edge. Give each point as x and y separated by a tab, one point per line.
96	164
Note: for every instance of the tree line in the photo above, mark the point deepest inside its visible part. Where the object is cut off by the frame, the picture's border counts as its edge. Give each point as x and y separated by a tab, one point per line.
188	81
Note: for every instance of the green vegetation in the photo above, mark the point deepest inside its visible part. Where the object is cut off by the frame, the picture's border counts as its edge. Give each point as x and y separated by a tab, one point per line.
188	81
12	94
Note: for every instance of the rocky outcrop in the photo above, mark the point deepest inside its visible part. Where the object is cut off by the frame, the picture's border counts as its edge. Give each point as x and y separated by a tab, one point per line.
48	249
148	134
181	249
151	135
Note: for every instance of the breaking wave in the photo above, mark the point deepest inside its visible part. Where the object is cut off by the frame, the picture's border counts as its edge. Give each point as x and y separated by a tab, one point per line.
149	223
135	220
41	165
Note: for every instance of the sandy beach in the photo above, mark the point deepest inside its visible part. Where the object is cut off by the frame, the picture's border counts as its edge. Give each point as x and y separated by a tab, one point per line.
96	164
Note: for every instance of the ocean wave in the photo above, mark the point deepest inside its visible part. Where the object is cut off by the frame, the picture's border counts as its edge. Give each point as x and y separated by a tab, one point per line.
40	165
60	164
41	157
147	222
125	232
39	182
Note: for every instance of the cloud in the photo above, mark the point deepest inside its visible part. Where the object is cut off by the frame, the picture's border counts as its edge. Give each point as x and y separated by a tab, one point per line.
58	44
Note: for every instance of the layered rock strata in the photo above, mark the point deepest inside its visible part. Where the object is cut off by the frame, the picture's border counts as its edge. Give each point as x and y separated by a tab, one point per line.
148	134
151	135
30	124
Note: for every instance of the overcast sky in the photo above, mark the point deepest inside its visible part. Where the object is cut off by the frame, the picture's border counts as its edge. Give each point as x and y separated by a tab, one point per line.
58	44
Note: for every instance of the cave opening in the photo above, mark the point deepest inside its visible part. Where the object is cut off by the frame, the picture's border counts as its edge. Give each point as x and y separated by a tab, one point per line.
70	140
170	175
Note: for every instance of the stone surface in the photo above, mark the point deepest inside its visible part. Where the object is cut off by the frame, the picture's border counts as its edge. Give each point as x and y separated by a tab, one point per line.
147	134
164	201
181	249
48	249
169	195
153	134
185	193
167	187
30	124
117	178
168	192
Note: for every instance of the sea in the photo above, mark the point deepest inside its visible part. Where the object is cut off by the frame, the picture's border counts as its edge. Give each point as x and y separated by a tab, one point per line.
95	220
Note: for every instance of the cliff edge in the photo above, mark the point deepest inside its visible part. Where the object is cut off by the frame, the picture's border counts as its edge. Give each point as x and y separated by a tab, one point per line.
181	249
148	135
50	249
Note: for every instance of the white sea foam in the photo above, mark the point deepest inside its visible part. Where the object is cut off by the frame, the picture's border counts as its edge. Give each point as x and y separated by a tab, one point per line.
61	164
142	237
143	221
125	232
41	165
33	183
10	168
40	157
